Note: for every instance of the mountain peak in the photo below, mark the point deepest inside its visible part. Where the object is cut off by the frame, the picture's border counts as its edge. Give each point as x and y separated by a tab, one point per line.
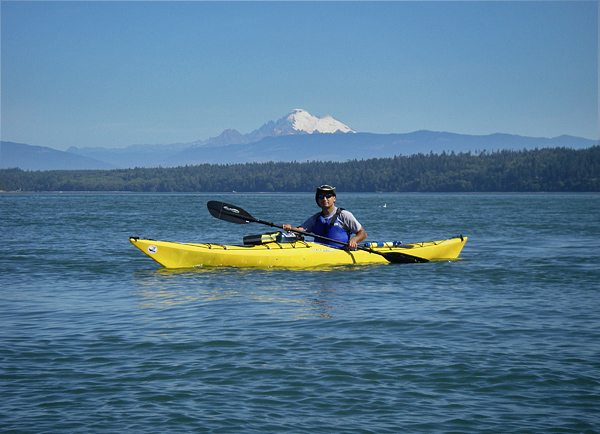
302	121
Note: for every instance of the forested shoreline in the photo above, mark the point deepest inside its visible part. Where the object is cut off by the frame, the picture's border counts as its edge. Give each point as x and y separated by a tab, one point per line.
548	169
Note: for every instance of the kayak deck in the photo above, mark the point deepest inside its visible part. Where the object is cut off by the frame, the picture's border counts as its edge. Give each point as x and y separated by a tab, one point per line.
299	254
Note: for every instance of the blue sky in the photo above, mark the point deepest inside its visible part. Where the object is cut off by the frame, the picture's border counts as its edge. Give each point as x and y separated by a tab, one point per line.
114	74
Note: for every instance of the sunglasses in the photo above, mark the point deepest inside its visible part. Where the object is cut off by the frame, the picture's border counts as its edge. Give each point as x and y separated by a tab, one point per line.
325	196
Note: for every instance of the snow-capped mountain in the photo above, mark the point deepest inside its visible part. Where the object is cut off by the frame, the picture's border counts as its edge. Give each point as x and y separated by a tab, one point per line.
301	121
297	122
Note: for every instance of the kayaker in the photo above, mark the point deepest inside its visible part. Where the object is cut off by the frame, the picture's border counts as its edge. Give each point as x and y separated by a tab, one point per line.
332	222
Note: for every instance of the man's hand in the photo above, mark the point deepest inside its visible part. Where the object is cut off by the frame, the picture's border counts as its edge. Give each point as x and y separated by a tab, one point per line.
290	228
361	235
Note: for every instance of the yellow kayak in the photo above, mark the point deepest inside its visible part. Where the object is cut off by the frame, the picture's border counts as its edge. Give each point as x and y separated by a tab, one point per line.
298	254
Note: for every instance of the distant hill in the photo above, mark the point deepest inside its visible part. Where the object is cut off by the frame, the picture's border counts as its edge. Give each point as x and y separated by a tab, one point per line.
29	157
324	147
344	147
132	156
298	136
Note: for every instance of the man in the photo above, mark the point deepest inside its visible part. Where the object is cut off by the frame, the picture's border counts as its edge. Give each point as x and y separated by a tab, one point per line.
332	222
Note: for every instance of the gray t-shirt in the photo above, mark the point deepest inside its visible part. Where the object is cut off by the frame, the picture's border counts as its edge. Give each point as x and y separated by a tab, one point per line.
346	220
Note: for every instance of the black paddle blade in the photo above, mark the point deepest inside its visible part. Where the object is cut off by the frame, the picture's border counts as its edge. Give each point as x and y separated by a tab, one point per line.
229	213
401	258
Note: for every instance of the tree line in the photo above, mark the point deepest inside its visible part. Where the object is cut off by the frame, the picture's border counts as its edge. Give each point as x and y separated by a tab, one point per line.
547	169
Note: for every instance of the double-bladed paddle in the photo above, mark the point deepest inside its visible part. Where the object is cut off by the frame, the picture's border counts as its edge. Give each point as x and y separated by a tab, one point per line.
235	214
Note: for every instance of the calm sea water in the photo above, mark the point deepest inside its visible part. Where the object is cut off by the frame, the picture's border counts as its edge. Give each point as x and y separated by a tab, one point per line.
97	338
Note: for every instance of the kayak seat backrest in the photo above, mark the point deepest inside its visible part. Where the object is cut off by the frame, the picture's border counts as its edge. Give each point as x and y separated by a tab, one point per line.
276	237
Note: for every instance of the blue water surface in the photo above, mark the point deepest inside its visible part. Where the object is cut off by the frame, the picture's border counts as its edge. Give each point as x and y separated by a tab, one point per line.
95	337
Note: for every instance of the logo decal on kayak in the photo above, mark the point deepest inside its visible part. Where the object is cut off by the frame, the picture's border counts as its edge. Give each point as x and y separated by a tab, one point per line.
235	210
152	249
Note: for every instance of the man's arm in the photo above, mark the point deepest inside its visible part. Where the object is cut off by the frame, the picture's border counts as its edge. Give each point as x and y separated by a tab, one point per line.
361	235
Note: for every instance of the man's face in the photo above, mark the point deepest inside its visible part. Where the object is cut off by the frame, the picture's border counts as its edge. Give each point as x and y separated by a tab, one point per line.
326	200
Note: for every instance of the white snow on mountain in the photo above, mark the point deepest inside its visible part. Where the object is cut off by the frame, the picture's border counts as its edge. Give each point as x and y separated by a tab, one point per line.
301	120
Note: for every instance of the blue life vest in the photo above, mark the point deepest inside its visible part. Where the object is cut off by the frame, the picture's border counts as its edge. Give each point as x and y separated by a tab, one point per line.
331	228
